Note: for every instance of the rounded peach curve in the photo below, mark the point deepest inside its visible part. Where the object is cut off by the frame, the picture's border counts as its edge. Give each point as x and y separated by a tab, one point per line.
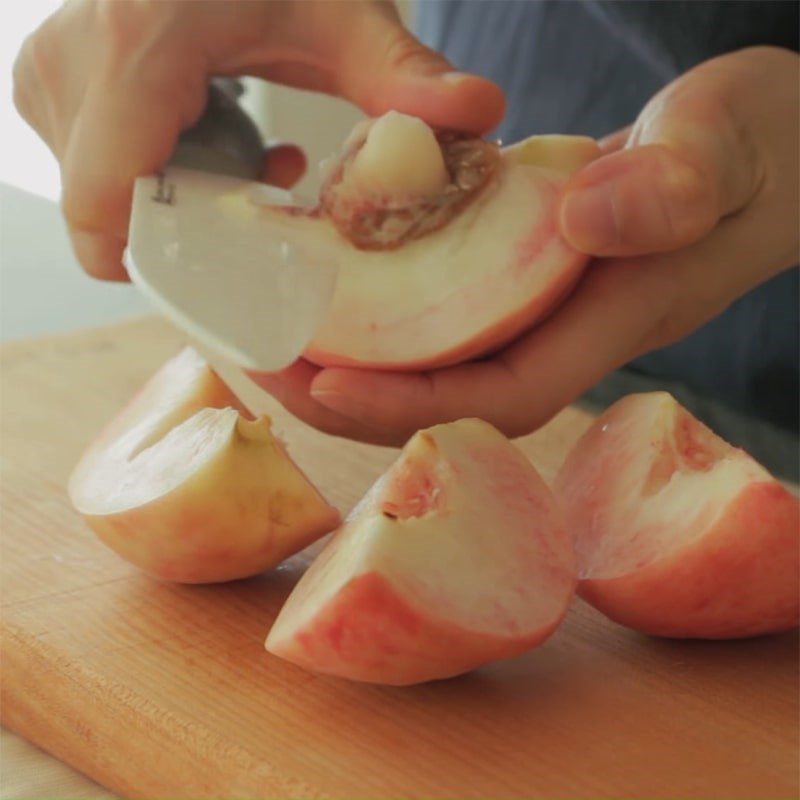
183	485
456	557
448	248
677	532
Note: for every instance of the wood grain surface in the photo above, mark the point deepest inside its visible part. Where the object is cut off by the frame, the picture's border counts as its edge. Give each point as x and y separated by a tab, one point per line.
166	691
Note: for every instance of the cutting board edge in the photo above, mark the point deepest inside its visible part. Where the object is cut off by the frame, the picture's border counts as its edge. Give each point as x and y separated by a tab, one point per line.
47	713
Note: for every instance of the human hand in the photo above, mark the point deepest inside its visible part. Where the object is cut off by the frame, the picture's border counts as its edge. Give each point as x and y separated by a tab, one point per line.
691	208
110	85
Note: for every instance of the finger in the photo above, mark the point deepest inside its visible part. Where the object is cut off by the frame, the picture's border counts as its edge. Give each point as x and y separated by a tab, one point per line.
359	51
615	141
689	162
405	402
621	309
380	66
601	327
30	98
290	388
126	127
284	165
99	255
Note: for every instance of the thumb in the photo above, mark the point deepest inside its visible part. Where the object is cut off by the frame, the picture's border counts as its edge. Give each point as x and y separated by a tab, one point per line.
689	162
381	66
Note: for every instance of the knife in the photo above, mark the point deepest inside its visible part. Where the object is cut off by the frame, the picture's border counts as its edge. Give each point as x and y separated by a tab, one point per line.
241	284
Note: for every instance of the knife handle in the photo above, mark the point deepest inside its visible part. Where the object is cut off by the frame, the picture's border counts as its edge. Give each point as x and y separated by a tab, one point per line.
225	140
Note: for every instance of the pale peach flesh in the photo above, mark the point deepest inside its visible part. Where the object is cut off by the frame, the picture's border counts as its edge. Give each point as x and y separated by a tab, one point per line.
677	532
456	557
188	488
448	248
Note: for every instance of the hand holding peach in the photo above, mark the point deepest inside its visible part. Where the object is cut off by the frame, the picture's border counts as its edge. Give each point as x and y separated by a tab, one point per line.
705	207
127	78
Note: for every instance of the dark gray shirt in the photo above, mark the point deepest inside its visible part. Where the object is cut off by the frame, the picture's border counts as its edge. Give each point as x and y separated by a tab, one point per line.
589	67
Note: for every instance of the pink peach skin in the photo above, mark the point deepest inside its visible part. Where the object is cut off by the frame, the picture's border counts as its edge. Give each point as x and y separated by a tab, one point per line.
350	639
183	485
678	533
458	556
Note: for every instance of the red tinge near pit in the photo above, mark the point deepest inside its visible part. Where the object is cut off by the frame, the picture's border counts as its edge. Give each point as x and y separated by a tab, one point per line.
677	532
456	557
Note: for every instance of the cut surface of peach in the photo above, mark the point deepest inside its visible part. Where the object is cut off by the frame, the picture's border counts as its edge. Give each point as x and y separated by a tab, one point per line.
447	247
677	532
456	557
184	485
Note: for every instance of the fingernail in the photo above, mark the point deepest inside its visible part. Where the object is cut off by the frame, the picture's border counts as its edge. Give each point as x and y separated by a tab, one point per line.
339	403
347	407
456	77
588	218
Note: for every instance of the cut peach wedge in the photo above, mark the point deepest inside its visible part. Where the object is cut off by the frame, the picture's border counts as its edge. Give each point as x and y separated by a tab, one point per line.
677	532
185	486
448	246
457	556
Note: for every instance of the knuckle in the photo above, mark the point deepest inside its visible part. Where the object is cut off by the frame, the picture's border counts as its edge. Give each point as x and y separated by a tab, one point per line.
145	45
37	71
686	194
32	70
128	30
404	49
703	119
117	21
21	88
40	57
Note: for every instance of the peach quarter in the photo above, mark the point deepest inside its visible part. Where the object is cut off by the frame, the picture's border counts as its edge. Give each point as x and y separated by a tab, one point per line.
677	532
457	556
188	488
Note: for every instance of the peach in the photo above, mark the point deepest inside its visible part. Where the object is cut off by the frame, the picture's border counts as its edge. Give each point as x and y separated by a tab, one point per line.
447	247
186	487
677	532
457	556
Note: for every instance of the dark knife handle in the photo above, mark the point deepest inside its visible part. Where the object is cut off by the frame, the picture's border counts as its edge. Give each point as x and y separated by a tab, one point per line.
225	140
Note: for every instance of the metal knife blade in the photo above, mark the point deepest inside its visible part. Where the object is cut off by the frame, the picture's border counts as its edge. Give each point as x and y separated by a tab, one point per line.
238	281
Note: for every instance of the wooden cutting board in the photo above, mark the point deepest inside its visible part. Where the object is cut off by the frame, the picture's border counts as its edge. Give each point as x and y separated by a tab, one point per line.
166	691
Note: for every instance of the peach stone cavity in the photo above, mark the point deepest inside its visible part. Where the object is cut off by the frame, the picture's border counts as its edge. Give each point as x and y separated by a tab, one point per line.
447	246
457	556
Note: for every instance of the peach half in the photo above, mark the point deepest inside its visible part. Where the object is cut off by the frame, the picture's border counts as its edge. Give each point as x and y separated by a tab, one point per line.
677	532
456	557
448	247
186	487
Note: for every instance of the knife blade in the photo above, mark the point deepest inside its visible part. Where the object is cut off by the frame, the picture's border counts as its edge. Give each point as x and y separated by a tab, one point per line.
241	283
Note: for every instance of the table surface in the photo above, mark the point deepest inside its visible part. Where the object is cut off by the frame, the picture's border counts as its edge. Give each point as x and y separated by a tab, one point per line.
597	711
35	252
